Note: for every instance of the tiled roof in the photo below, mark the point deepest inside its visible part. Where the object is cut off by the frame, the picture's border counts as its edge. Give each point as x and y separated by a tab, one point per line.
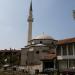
48	56
64	41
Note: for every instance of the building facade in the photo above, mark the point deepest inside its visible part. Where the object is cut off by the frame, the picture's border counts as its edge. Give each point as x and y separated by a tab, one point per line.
10	56
66	56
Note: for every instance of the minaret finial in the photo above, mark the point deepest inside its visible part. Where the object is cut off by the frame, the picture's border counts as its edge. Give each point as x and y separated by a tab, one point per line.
31	6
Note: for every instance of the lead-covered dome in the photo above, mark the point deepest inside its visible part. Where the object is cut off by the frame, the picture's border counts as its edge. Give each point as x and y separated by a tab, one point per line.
43	36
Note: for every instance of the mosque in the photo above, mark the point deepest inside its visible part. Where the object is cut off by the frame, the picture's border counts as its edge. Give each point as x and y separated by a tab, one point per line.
45	54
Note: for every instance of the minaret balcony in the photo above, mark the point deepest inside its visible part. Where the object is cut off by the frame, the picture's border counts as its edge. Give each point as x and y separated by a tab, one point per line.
30	20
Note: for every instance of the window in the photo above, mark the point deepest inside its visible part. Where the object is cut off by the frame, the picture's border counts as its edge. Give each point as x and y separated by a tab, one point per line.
63	64
74	48
36	71
27	53
40	41
37	52
59	50
64	50
53	45
70	49
71	63
26	62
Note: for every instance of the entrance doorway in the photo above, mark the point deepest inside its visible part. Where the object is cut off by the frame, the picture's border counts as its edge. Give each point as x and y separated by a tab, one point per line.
48	67
49	64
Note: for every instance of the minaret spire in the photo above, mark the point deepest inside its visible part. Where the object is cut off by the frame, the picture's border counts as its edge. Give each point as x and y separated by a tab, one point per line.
31	6
30	20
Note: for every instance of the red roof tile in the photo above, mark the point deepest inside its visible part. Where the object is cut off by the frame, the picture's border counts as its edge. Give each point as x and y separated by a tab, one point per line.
48	56
64	41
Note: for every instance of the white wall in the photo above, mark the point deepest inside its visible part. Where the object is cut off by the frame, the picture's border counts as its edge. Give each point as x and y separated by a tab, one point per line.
32	68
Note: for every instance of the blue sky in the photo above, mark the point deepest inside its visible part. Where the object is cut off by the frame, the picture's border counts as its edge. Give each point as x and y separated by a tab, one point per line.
53	17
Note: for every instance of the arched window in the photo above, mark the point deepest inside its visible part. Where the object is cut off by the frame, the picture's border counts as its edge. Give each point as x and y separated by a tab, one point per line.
40	41
37	52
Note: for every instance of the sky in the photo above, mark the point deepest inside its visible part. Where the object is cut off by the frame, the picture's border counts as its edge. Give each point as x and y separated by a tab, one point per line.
53	17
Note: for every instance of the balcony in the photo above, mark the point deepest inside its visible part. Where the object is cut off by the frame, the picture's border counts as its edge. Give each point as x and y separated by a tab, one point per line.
65	57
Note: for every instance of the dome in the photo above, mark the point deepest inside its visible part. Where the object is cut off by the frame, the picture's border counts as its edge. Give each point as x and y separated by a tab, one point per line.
43	36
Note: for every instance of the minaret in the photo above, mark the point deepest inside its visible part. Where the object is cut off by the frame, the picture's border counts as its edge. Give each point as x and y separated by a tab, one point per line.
30	20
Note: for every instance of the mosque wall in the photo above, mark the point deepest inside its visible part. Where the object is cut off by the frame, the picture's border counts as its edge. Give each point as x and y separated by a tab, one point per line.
24	56
33	68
